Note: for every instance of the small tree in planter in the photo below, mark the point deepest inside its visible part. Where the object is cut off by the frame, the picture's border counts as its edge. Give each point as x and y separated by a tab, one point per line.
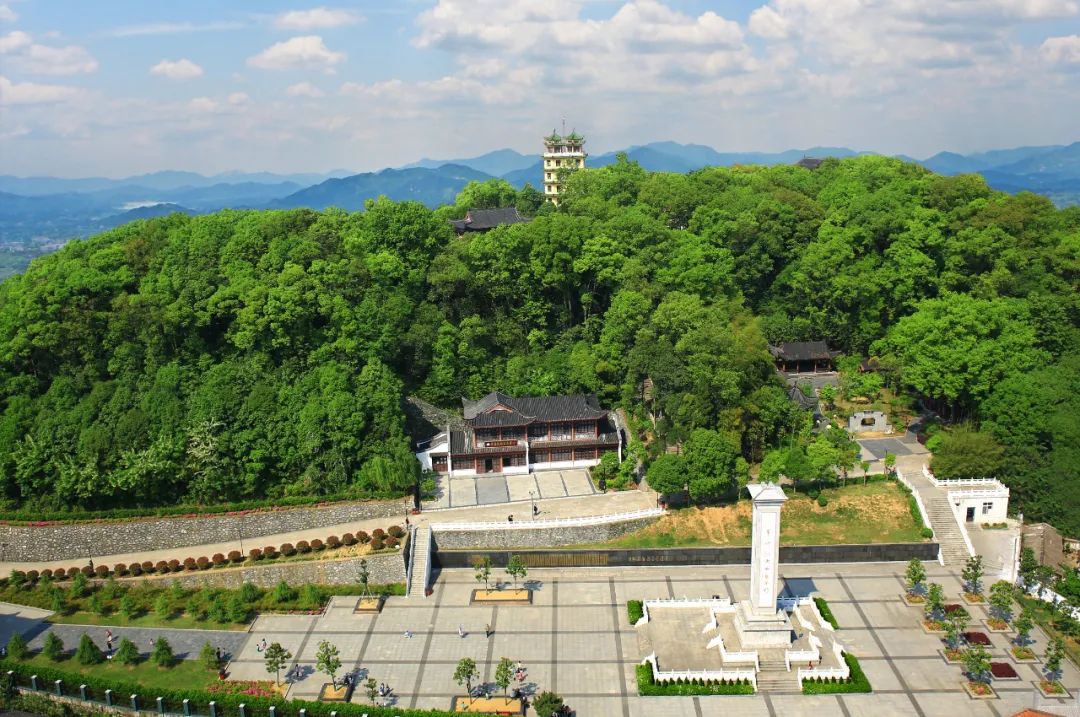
955	624
1052	664
1001	597
977	664
1023	625
362	577
276	659
504	675
935	602
208	656
483	572
515	568
328	661
916	576
972	577
465	673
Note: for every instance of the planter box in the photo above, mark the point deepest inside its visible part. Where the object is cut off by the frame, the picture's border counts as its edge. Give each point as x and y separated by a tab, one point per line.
918	601
367	605
991	628
1033	660
486	705
977	638
989	692
973	599
521	596
945	656
329	693
928	630
1064	694
1000	673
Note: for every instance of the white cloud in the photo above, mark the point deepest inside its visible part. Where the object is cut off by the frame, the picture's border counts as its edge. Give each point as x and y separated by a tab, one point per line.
238	98
768	23
15	40
1061	50
182	69
7	14
319	17
203	104
174	28
29	57
305	51
303	89
31	93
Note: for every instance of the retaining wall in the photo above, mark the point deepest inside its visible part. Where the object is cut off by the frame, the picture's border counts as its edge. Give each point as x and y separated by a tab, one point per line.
792	554
537	538
75	541
382	569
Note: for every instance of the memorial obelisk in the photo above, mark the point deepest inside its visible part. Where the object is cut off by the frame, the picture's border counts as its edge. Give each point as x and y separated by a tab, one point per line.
760	623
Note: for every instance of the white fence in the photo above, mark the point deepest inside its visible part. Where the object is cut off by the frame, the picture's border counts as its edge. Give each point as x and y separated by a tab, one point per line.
714	606
796	656
712	675
918	499
996	485
735	658
787	604
842	673
551	522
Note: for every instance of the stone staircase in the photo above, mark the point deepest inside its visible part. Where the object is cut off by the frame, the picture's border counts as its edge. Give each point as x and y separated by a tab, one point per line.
946	531
774	678
420	561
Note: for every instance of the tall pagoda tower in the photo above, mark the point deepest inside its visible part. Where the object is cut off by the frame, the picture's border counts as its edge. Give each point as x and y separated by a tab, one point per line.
562	154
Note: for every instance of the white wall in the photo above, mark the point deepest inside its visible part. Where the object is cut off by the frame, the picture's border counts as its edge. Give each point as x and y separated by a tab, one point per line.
997	514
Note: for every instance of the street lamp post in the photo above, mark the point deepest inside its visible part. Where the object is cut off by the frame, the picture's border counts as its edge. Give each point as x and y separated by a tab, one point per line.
240	535
532	498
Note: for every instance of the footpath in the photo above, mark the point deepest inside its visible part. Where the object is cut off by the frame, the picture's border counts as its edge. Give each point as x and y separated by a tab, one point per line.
576	507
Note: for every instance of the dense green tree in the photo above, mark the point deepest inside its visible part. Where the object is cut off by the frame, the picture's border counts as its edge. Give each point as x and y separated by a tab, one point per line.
668	474
966	453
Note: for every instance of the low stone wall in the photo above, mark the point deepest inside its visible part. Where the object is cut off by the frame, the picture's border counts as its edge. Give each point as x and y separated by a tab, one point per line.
382	569
75	541
539	537
789	555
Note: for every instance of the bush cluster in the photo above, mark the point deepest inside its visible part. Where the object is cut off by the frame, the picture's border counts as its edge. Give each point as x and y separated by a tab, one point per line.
826	613
857	682
635	610
648	687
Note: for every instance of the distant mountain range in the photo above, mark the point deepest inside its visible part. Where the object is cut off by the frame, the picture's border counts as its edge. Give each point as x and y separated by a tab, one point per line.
38	212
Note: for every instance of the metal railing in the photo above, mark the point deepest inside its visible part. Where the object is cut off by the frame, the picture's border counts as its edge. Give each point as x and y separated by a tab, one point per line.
551	522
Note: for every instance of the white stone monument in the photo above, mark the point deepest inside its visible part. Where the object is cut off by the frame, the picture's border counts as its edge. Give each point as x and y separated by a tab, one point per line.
760	623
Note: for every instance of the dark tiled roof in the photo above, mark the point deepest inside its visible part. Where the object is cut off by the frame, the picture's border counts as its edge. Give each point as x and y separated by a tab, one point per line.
526	409
478	220
804	401
809	162
803	351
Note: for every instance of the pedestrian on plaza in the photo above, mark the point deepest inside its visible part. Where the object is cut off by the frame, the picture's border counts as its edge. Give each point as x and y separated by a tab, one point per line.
460	631
408	634
536	510
487	630
510	518
151	644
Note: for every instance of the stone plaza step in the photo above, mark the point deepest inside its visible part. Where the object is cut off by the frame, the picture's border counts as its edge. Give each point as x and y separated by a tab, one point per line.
420	550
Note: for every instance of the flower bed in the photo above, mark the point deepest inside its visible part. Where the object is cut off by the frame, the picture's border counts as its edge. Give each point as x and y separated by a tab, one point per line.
953	654
996	623
977	638
953	608
244	687
1003	671
649	687
974	598
1050	688
980	690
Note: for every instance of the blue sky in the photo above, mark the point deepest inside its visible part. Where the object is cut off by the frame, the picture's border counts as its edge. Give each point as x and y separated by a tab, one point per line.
115	88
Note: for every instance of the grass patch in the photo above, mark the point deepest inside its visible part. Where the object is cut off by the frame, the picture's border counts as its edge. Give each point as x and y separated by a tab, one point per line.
635	610
648	687
190	673
1043	615
855	514
857	682
826	613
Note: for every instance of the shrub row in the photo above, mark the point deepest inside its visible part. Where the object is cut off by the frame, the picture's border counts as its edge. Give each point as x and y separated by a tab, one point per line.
649	687
199	700
826	613
635	610
857	682
379	539
916	515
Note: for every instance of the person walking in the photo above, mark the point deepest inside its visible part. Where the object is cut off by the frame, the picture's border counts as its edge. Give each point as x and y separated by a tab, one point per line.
487	630
461	631
408	634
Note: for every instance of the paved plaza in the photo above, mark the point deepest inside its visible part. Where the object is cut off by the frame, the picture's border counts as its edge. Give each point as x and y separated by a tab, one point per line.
493	489
575	640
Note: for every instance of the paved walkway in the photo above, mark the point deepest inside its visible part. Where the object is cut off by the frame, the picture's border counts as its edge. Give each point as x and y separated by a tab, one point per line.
587	505
492	489
575	639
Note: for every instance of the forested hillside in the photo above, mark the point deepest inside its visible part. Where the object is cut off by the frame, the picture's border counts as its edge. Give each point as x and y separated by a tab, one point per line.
266	353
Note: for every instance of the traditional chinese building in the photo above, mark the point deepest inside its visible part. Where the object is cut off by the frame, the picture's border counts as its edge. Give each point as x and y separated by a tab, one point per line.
804	357
482	220
562	154
507	434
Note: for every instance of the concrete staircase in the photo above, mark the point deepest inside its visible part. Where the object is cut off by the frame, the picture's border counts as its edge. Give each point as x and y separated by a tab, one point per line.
419	562
774	678
946	531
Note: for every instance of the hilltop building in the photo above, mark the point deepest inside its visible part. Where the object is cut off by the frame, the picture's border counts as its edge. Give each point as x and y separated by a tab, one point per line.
482	220
508	434
804	357
562	154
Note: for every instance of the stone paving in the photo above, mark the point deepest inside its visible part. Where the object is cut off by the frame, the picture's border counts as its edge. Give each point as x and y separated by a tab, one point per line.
575	639
495	489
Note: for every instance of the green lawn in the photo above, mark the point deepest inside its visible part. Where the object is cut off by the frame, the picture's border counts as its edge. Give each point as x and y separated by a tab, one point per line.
856	514
186	673
1043	616
179	622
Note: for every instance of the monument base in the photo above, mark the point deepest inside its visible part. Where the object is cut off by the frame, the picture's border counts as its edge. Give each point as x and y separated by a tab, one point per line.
762	631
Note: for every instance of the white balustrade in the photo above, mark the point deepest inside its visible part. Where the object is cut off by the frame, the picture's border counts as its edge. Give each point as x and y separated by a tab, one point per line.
550	522
918	499
842	673
710	675
735	658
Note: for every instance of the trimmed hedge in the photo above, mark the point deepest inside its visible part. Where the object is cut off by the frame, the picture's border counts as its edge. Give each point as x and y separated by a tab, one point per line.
823	608
635	610
858	681
227	704
648	687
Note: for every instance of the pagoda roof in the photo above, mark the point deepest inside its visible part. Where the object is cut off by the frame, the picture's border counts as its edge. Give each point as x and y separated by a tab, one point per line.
553	137
499	409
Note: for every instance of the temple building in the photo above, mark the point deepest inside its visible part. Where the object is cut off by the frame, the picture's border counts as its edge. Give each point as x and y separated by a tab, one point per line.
507	434
562	154
804	357
483	220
